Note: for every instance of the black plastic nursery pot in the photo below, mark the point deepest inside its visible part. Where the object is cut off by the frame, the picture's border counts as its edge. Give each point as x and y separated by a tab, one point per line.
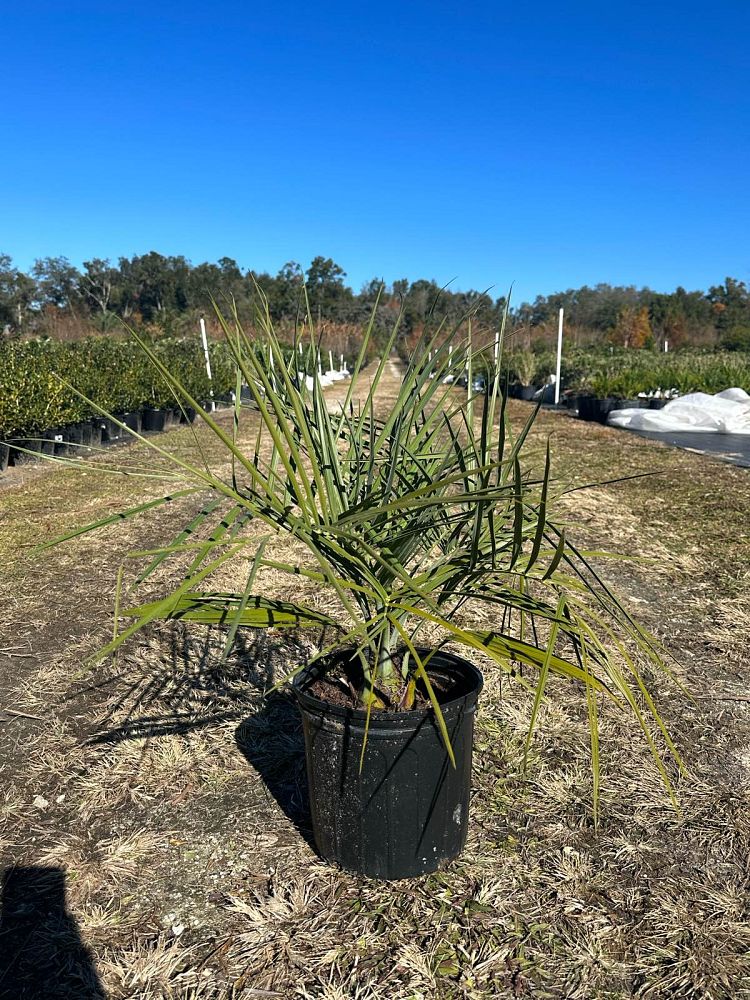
656	404
4	456
154	420
595	408
406	812
110	431
188	415
96	432
86	433
73	437
18	457
132	419
526	392
52	442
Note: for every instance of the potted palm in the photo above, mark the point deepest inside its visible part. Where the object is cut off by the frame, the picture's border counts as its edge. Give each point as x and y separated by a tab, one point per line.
423	526
525	365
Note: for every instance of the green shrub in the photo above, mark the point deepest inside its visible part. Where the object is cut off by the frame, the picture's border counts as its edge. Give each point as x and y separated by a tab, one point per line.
115	375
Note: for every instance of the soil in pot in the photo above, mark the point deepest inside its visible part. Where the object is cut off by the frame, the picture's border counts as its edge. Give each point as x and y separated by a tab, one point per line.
406	811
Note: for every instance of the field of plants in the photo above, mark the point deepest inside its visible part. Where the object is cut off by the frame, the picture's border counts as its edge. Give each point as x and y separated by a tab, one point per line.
625	374
52	391
171	796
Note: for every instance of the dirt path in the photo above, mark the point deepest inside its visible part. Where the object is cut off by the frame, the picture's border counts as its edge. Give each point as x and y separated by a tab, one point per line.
170	799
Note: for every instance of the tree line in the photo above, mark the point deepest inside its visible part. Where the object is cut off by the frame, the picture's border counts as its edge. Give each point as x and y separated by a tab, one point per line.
639	317
167	293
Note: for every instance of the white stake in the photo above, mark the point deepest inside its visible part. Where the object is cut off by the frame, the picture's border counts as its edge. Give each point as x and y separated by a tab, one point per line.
666	346
330	360
559	357
208	362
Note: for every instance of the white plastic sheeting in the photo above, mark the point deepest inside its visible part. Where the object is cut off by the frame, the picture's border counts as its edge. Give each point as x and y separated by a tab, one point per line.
727	412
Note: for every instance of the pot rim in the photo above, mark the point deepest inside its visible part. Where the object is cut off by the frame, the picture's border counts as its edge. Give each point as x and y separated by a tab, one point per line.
465	667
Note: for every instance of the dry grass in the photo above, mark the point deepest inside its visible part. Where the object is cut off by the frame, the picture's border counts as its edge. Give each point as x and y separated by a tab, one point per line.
172	797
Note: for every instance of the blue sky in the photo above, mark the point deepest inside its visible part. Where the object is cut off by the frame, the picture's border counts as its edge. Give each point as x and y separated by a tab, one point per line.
549	145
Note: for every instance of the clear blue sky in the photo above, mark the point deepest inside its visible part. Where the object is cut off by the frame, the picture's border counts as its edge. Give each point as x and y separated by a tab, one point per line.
549	144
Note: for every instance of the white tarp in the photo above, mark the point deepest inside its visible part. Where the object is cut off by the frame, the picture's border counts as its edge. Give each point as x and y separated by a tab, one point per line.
727	412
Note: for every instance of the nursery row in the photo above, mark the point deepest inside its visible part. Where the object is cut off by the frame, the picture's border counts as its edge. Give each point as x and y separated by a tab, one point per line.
79	438
52	394
626	374
43	383
48	384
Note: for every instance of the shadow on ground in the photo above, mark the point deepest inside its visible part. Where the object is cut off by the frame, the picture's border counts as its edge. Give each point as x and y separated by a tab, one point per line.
272	743
178	681
188	686
42	956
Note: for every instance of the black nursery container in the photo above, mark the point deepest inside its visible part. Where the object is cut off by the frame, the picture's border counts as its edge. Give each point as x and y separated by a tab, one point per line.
407	810
110	431
17	457
52	442
132	420
154	420
4	455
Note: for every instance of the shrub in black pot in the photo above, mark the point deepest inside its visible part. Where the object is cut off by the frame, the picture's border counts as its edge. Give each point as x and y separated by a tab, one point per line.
427	525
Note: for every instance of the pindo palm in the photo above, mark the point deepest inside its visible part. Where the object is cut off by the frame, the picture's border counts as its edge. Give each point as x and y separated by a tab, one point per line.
415	517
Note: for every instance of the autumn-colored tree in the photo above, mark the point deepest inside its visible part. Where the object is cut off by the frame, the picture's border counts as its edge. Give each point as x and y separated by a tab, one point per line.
633	328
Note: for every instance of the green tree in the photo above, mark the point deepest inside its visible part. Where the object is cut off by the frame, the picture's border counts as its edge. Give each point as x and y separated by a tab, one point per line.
731	307
57	282
327	293
17	292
